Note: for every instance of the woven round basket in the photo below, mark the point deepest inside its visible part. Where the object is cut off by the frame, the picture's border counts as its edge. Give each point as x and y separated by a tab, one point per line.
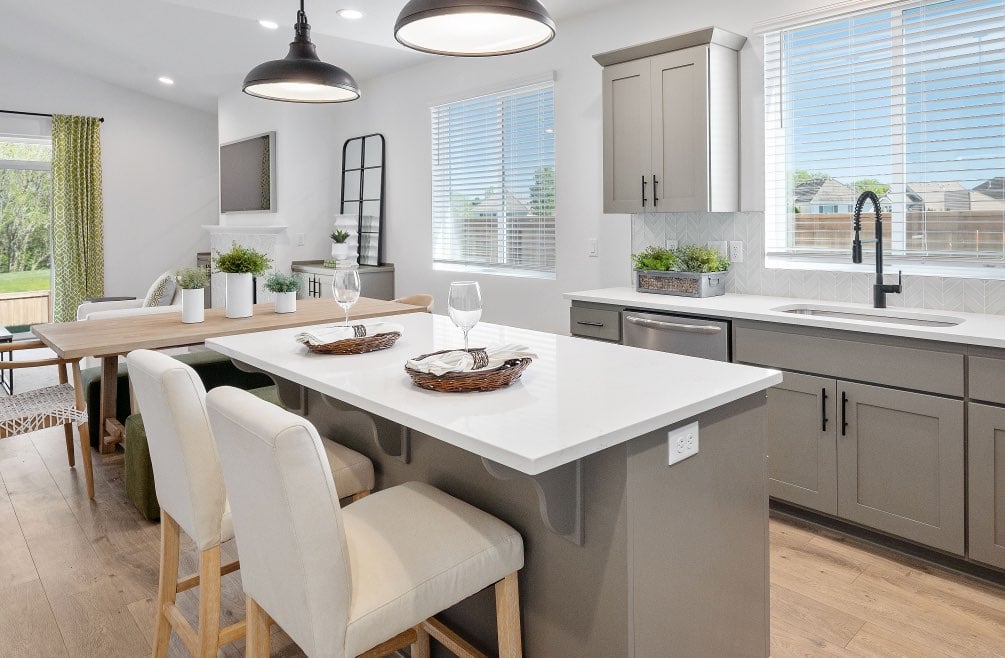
467	382
356	345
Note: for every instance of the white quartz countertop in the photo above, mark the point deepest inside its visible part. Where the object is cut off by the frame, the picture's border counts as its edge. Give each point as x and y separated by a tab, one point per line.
579	397
974	329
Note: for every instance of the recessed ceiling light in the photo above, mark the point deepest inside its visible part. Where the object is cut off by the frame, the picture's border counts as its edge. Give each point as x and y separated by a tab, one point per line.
164	80
350	14
269	25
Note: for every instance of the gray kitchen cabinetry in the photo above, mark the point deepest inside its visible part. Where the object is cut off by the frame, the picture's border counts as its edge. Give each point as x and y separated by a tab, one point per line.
986	448
901	464
671	124
802	449
376	281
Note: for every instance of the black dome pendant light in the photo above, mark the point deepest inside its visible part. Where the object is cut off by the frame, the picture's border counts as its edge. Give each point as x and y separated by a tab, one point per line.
301	77
474	28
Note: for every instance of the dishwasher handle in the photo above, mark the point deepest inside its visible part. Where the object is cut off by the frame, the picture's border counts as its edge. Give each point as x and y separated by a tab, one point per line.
673	326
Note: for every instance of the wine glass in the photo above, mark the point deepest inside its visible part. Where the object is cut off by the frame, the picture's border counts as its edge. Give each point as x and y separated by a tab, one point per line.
465	306
345	287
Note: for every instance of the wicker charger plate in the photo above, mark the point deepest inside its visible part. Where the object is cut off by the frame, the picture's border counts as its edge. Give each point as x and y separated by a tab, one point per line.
356	345
466	382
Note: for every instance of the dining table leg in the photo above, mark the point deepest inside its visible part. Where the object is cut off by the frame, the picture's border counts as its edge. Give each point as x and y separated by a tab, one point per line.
109	428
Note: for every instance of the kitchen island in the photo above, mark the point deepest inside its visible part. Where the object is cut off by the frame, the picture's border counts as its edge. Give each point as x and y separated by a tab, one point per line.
625	554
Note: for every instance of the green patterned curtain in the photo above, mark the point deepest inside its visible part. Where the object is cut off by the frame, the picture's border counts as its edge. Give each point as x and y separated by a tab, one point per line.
78	237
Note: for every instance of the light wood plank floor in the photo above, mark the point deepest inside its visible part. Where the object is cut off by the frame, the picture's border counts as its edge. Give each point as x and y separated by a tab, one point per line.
77	579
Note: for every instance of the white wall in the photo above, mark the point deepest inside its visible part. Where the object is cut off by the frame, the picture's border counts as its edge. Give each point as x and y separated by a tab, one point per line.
159	165
397	105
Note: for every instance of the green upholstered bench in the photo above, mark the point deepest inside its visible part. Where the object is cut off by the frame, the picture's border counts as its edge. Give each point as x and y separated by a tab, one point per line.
214	370
139	472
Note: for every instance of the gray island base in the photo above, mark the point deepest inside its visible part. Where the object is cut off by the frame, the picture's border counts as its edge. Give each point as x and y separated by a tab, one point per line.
674	559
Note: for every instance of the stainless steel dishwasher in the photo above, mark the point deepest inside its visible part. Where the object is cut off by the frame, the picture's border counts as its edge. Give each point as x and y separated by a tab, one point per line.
706	339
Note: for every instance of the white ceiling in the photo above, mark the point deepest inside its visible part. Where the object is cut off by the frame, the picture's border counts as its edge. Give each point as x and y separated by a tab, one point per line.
207	46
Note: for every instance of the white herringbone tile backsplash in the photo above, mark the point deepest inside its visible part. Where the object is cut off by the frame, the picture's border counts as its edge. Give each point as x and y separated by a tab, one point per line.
753	278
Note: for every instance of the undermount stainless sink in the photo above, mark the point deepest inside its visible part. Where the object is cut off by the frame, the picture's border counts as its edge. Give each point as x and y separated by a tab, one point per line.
879	315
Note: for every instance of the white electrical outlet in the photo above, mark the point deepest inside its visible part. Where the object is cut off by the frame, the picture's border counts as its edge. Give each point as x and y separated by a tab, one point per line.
592	246
682	443
736	251
721	246
671	243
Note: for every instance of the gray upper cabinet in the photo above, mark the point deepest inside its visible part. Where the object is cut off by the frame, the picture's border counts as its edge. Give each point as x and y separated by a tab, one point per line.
986	446
802	454
671	124
901	464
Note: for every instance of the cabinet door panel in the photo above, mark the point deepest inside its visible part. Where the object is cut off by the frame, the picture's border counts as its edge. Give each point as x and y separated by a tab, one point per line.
802	455
986	441
900	464
680	129
627	137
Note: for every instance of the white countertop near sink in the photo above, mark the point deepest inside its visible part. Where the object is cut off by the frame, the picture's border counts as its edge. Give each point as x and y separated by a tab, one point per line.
579	397
975	329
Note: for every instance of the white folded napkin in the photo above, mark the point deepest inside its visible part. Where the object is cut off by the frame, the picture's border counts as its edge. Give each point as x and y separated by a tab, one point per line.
332	333
461	361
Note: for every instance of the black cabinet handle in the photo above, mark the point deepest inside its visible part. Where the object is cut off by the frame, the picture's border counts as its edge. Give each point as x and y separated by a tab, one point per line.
844	413
823	410
656	197
643	191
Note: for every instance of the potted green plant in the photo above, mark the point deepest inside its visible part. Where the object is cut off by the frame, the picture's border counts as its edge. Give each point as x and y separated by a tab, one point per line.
192	281
241	264
340	244
285	286
687	271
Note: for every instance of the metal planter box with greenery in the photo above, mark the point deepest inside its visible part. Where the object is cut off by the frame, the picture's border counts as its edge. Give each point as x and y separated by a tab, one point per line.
687	271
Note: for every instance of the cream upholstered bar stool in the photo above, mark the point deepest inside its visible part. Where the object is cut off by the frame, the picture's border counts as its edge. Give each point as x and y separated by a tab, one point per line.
361	580
192	497
425	301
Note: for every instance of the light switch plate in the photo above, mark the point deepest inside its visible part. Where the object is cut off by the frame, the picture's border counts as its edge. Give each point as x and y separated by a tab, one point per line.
682	442
721	246
592	248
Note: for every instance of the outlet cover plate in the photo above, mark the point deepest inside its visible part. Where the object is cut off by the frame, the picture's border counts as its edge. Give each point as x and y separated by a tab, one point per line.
682	442
736	251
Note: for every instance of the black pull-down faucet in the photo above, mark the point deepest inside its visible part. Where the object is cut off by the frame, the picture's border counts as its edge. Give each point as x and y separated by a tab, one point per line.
880	288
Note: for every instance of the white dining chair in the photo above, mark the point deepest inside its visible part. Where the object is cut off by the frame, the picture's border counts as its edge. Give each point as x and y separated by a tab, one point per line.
366	579
192	497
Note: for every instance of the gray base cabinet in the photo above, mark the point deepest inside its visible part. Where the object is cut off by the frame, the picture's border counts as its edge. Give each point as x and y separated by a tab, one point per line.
802	452
987	484
901	464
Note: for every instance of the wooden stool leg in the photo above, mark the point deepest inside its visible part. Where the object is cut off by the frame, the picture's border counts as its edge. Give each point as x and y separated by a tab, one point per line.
420	648
257	641
166	588
508	617
68	432
209	602
85	441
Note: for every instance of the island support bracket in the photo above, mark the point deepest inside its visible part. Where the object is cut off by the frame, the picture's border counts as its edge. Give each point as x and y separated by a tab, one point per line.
559	495
359	423
290	393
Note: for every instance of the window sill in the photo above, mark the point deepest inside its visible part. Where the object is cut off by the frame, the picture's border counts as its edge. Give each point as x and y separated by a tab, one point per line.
996	272
494	271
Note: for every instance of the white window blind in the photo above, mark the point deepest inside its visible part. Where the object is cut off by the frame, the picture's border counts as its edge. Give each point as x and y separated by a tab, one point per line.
494	181
907	101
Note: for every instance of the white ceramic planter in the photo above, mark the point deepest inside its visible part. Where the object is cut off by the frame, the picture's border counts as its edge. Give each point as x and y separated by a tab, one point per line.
286	302
340	250
240	293
193	303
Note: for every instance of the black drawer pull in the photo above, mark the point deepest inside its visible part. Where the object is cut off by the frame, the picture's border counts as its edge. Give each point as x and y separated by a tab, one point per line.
590	324
823	410
844	413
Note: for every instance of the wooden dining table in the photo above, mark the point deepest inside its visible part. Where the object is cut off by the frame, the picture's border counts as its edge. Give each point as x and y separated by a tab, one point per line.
108	339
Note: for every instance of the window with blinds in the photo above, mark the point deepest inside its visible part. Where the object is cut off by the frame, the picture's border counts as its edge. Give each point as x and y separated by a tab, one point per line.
494	182
907	101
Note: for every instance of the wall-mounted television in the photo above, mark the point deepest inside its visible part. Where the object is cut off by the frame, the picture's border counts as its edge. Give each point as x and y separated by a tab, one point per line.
248	174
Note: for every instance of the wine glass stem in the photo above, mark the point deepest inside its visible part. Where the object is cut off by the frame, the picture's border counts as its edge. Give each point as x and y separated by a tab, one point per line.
466	339
347	317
